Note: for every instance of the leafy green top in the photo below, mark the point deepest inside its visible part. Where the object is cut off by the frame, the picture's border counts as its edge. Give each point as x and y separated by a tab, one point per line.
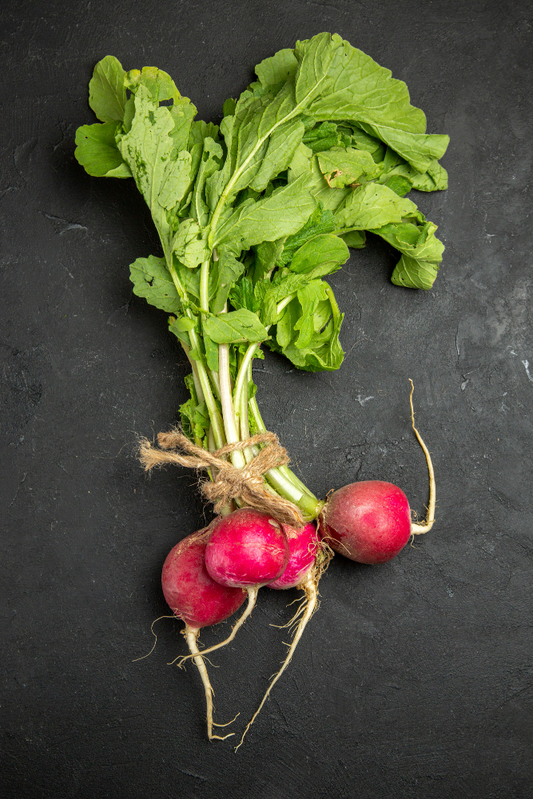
255	212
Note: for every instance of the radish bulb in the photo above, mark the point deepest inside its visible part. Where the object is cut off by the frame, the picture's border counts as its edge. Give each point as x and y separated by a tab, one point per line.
246	550
199	601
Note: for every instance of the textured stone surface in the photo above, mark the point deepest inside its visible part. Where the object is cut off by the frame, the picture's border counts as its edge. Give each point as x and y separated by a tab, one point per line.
414	678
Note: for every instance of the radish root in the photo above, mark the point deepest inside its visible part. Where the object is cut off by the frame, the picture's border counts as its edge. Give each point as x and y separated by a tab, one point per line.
298	623
252	598
142	657
420	529
191	635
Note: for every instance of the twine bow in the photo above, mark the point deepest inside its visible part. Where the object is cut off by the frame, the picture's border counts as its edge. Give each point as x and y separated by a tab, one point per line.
227	481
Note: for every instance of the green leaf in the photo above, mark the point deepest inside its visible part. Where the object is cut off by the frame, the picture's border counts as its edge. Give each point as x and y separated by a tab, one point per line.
323	137
279	153
284	285
97	152
371	206
235	327
308	331
152	280
266	255
223	275
321	221
304	164
203	199
418	149
211	352
343	166
159	84
107	93
355	239
188	245
315	56
421	253
181	326
281	214
277	69
147	148
399	184
361	90
327	250
194	416
175	179
435	179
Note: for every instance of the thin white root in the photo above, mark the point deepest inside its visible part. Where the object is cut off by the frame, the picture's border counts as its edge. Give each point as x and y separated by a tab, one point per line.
191	636
142	657
309	605
419	529
252	598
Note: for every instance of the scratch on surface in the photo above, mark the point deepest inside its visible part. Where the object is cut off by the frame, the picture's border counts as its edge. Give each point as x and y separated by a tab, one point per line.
18	487
63	225
363	400
192	774
528	373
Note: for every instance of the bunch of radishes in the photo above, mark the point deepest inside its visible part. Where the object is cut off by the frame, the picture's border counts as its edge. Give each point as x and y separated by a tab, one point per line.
209	574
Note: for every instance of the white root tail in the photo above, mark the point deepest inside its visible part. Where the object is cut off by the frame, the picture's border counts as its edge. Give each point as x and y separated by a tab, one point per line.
252	598
191	636
310	586
419	529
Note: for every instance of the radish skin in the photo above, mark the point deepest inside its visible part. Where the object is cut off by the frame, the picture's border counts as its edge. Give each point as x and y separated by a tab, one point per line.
369	521
303	548
247	549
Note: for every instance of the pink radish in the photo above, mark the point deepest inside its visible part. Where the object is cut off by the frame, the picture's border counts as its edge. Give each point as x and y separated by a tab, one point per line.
370	522
198	600
246	550
303	548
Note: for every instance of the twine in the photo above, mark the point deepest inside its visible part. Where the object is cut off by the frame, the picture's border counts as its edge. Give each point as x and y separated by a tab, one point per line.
227	481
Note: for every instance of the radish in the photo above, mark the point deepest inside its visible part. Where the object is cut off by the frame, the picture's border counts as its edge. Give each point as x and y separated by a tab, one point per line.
303	549
246	549
370	521
252	216
198	600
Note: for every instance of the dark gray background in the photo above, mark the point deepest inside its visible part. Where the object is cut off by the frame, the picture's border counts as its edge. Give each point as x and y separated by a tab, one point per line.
414	678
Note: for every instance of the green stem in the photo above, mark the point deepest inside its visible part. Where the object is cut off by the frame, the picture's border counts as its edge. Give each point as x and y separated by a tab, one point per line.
243	375
285	481
226	401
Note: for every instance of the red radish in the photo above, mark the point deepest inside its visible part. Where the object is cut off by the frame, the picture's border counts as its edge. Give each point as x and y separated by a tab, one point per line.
198	600
303	548
190	592
246	550
370	522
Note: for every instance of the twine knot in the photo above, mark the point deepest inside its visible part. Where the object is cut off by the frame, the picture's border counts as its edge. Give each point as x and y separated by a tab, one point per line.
228	482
